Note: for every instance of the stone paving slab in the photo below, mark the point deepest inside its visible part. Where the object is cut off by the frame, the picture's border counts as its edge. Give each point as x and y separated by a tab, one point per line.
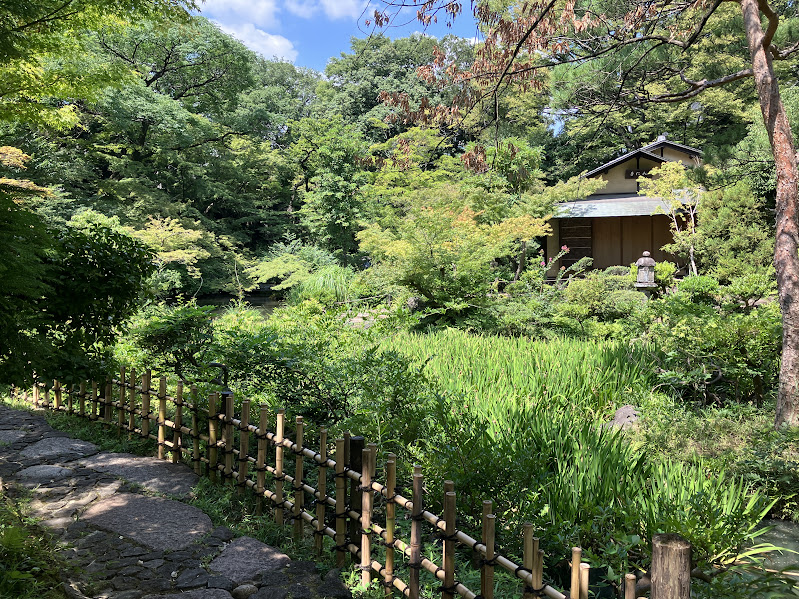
154	522
196	594
245	559
45	472
10	436
151	473
58	447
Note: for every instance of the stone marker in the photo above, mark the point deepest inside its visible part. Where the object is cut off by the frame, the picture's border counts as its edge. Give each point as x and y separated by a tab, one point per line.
155	522
245	558
58	446
151	473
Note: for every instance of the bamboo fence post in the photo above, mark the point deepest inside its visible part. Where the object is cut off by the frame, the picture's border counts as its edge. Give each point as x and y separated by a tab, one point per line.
449	546
577	556
94	400
391	515
71	399
629	586
489	536
585	573
35	394
107	402
132	402
162	418
366	516
279	430
177	434
356	464
57	393
244	446
299	494
341	501
122	395
528	558
229	405
46	397
415	562
671	567
260	463
321	485
82	400
213	442
145	403
195	433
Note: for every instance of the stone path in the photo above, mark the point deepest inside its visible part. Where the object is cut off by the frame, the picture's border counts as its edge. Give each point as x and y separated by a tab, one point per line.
125	536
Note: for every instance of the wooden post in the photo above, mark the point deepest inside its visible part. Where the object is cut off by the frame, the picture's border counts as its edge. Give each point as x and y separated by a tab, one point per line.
107	402
260	462
35	394
341	504
279	430
71	399
213	441
321	485
229	405
46	397
415	562
629	586
195	433
366	516
391	520
449	546
356	463
585	573
489	536
299	494
528	558
57	392
82	400
177	434
244	446
94	400
145	403
132	401
121	420
671	567
577	557
162	418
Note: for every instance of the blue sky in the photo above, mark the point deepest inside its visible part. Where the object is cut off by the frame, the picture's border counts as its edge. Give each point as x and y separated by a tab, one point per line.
309	32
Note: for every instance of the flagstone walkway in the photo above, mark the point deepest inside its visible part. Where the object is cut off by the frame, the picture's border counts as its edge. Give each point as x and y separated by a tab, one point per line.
123	530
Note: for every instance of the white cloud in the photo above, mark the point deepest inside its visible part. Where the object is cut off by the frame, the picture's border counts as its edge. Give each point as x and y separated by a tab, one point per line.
262	13
267	44
305	10
333	9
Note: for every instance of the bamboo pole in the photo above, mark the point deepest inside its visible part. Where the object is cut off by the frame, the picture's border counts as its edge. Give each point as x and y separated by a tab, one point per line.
107	402
416	534
71	399
213	441
299	494
366	515
489	537
195	433
145	403
280	429
356	465
260	463
577	556
585	572
57	393
229	406
244	445
82	400
46	396
391	509
449	546
35	394
122	395
177	433
528	558
162	418
629	586
321	484
132	402
341	500
94	400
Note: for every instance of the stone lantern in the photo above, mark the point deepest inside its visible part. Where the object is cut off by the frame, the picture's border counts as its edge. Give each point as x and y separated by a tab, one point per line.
646	273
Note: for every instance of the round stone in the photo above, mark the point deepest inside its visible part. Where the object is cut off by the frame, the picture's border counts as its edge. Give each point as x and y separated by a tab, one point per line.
44	473
243	591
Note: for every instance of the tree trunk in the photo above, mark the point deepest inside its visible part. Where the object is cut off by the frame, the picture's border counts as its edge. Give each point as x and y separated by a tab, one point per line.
786	253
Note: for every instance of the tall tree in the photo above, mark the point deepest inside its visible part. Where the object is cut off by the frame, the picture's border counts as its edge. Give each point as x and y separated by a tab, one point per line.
649	49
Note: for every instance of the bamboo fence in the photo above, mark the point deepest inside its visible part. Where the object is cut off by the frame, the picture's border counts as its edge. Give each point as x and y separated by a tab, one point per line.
222	449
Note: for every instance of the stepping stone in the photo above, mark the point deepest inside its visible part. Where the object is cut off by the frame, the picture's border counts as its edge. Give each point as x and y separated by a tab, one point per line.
245	558
8	437
58	446
44	473
151	473
154	522
196	594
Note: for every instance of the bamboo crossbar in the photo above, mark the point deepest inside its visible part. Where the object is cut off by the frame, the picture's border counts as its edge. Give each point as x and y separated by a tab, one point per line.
224	449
